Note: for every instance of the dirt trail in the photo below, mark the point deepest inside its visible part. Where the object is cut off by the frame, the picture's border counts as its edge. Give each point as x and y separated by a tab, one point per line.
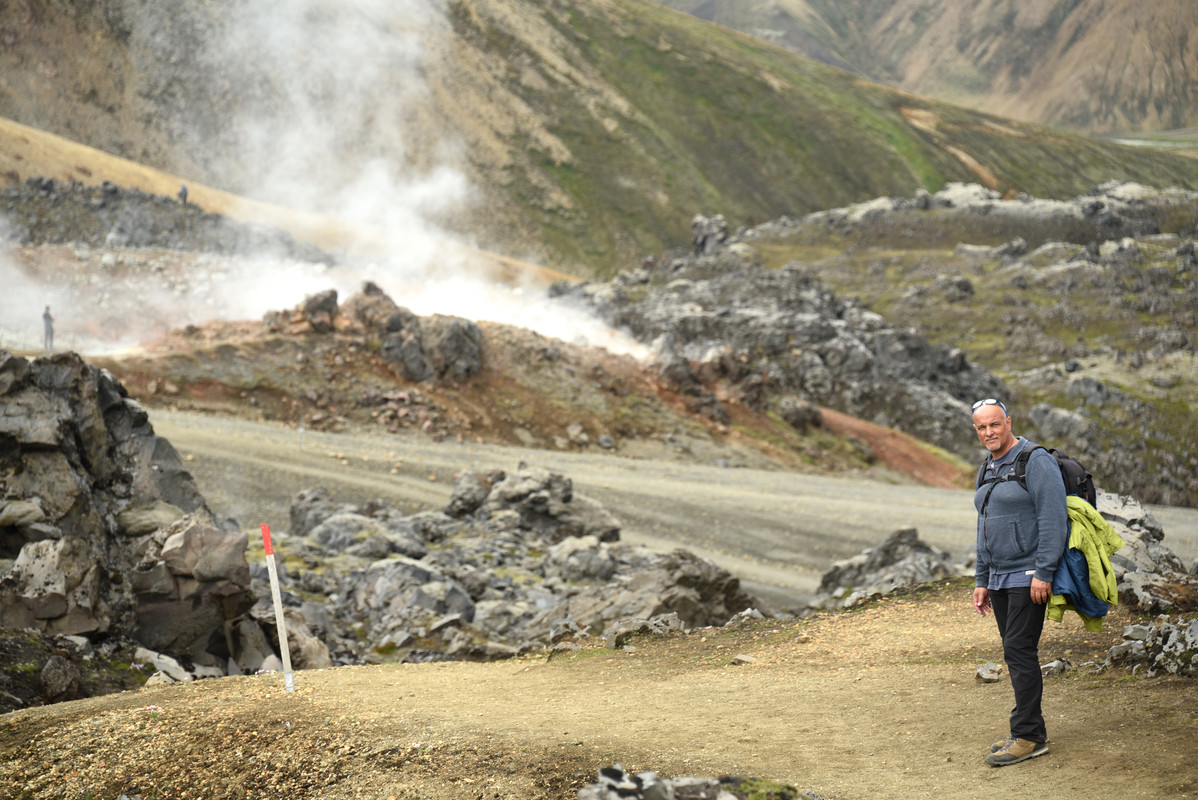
879	703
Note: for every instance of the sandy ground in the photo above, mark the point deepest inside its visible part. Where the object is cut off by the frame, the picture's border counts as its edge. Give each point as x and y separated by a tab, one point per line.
879	703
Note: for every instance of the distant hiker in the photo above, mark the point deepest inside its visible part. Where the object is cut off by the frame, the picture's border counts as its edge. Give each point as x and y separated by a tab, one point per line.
707	233
1021	539
48	324
183	194
698	232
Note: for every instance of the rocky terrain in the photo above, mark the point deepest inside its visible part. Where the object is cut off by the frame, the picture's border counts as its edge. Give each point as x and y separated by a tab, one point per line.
484	578
109	540
1090	305
492	629
808	703
747	336
42	211
748	341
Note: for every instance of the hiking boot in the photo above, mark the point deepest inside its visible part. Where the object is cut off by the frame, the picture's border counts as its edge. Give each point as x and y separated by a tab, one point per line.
1016	751
1001	744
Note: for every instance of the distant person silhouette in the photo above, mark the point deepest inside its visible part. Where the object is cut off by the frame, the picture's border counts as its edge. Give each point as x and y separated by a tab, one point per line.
183	194
48	324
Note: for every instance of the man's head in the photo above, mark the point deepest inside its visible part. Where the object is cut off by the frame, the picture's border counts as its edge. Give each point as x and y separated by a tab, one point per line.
992	424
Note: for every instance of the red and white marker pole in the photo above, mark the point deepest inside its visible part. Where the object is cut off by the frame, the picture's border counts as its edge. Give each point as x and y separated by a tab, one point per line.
288	680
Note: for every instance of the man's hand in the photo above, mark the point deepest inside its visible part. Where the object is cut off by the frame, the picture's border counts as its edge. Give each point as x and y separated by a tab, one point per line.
1041	591
981	600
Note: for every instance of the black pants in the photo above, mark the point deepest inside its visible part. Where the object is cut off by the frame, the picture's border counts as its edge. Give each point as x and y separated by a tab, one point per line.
1020	622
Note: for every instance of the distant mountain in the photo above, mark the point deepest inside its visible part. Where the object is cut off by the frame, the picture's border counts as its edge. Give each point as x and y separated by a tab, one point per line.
581	135
1097	65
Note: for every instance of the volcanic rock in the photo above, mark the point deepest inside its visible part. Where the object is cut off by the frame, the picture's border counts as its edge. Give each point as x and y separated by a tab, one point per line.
106	532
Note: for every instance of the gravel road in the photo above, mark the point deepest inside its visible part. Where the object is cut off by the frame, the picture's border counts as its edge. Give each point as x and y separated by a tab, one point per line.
777	531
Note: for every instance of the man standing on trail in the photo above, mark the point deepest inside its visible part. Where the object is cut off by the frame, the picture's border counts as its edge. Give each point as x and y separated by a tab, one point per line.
48	325
1021	537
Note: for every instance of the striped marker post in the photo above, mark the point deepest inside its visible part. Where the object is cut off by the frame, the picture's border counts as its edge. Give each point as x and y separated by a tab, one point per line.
288	680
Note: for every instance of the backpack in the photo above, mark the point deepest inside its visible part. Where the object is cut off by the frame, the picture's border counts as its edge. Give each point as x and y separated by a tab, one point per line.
1078	480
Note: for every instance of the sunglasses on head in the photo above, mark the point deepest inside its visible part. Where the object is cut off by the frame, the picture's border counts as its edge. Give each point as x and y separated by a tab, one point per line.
990	401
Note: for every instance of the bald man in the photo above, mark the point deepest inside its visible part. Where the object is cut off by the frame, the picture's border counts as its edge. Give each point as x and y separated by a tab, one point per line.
1021	538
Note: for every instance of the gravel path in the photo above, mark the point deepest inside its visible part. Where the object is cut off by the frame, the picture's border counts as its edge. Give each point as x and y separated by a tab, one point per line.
778	531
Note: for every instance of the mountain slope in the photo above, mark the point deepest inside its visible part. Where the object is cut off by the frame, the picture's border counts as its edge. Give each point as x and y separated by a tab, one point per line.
1094	65
582	135
32	152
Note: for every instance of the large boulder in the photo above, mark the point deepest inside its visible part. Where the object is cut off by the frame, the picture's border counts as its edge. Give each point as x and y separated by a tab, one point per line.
547	505
320	310
192	578
456	350
647	585
1151	578
102	531
396	329
901	560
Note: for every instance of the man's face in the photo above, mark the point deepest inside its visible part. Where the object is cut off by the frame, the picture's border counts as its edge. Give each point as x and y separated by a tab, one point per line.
993	428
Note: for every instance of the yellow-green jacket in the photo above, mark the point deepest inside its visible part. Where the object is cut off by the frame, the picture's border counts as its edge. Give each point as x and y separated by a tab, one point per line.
1094	538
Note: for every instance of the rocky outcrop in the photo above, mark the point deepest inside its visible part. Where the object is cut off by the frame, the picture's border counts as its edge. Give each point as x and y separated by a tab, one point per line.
1150	577
105	536
45	211
902	560
1109	363
1111	212
515	562
417	349
1166	645
518	562
102	531
725	326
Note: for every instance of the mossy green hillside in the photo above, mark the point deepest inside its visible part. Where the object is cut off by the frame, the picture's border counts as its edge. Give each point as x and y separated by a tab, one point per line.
675	117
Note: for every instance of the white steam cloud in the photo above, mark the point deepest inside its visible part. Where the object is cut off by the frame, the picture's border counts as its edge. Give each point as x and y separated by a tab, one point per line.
324	121
21	304
352	91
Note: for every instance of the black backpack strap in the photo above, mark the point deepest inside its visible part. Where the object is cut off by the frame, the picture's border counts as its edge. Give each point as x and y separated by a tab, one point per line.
1020	473
1021	463
984	481
986	499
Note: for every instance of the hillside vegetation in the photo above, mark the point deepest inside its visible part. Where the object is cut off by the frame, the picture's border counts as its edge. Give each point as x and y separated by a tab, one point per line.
588	133
1091	65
